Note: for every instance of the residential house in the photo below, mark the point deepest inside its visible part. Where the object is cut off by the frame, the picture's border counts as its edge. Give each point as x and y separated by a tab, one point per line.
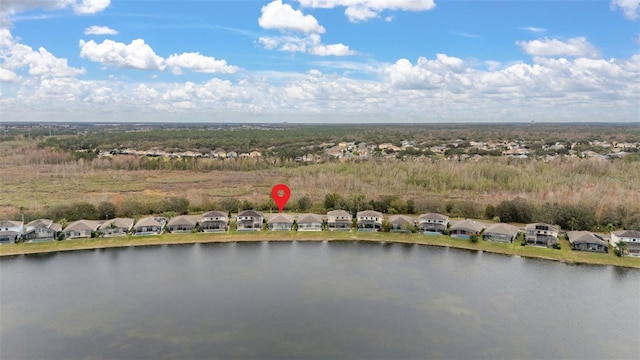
116	227
401	223
500	232
149	226
339	220
587	241
41	230
310	222
81	229
541	234
214	221
182	223
465	229
432	223
369	220
10	231
280	222
249	220
631	237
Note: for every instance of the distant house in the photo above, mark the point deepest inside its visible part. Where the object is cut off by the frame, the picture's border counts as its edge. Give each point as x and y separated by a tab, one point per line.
116	227
541	234
310	222
500	232
182	223
10	231
149	226
339	220
631	237
587	241
369	220
465	228
41	230
432	223
81	229
401	223
249	220
280	222
214	221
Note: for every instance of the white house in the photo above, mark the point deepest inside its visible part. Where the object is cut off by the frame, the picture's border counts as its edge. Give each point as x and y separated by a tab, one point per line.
631	237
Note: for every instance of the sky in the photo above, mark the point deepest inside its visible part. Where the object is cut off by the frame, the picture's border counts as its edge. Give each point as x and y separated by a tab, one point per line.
320	61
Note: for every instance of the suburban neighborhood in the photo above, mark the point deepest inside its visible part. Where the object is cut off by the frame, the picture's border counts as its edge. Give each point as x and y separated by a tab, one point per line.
429	224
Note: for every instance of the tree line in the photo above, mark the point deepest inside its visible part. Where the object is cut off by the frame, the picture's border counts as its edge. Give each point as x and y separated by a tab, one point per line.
519	210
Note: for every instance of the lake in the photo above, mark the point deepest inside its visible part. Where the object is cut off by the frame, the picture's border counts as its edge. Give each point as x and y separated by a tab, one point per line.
313	300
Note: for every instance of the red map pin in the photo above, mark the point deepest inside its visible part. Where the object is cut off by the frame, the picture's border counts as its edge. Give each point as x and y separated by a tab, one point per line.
280	194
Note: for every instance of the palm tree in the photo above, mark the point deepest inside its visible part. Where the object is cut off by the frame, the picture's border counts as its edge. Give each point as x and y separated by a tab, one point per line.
621	248
610	228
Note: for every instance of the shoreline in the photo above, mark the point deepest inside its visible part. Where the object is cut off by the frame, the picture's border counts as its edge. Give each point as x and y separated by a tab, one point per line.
565	255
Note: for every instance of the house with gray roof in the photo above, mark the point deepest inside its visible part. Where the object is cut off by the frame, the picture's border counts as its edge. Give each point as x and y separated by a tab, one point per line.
214	221
369	220
10	231
432	223
587	241
280	222
81	229
310	222
41	230
631	237
339	220
149	226
500	232
249	220
465	228
182	223
116	227
402	223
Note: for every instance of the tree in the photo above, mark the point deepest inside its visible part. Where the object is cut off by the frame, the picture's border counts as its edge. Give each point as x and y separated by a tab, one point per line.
621	248
490	212
517	210
332	201
106	210
303	203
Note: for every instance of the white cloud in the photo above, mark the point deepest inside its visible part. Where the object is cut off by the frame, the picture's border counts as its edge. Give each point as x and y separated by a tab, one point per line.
574	47
311	44
630	8
90	6
79	7
100	30
442	89
331	50
363	10
41	63
534	29
199	63
136	55
8	76
9	8
277	15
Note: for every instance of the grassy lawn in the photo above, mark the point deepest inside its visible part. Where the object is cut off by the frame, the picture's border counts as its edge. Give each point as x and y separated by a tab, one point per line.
565	254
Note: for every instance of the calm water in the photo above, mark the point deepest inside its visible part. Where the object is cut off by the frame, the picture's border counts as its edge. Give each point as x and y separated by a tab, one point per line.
313	300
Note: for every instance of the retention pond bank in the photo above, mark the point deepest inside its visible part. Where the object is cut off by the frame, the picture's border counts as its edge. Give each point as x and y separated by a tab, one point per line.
565	254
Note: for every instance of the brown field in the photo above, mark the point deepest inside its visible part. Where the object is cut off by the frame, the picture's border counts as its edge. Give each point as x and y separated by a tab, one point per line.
33	179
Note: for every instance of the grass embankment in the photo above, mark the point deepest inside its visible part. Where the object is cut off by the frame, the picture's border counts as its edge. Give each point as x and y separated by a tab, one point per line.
565	254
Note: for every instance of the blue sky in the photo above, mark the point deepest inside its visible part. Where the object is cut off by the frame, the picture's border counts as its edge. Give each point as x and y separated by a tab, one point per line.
320	61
